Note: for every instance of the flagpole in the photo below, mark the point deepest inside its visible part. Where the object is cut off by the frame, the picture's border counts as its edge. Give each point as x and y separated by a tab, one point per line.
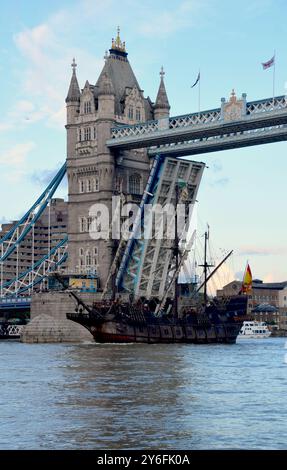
199	92
274	77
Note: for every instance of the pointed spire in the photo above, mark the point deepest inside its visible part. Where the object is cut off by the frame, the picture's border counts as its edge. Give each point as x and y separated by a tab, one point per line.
74	90
162	99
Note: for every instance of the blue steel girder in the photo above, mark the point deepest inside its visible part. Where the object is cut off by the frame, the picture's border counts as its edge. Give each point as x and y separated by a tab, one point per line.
147	261
38	272
236	124
18	232
133	241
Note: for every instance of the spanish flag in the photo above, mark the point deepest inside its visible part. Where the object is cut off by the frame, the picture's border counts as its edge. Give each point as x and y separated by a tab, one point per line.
247	281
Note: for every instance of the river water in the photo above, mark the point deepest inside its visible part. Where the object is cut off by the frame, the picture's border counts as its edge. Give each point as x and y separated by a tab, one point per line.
92	396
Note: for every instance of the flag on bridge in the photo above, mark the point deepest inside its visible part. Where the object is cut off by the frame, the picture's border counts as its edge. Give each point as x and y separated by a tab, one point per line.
197	80
269	63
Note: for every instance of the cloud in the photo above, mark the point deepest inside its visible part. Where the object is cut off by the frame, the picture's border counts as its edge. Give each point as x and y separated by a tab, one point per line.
219	182
49	47
264	251
169	21
48	50
17	155
5	126
44	177
216	166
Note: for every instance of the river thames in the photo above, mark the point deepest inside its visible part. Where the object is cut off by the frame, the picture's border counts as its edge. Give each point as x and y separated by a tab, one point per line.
90	396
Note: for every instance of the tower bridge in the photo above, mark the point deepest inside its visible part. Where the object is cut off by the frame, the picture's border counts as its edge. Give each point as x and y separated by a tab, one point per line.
113	133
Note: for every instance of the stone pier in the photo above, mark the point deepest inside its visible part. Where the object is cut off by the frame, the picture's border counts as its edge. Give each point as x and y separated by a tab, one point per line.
48	322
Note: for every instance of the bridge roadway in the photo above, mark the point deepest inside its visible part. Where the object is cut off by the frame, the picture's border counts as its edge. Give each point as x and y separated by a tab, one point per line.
236	124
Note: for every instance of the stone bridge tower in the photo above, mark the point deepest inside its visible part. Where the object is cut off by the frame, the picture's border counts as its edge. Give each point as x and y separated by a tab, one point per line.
95	174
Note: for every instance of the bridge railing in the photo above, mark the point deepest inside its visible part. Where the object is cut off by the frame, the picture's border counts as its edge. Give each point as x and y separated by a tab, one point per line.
209	117
267	105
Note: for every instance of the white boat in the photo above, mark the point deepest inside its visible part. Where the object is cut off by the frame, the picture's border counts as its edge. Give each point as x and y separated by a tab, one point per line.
254	330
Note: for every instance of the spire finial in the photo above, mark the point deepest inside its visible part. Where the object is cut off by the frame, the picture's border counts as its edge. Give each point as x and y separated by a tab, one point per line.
162	73
233	96
117	44
74	93
74	65
118	39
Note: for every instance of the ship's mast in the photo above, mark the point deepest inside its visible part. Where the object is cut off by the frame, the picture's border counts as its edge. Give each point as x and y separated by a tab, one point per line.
176	253
205	266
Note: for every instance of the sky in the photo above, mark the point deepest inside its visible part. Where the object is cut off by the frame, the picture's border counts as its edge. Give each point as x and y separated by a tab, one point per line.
243	191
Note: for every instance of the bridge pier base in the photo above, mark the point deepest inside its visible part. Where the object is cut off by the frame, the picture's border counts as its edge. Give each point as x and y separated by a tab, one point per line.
49	323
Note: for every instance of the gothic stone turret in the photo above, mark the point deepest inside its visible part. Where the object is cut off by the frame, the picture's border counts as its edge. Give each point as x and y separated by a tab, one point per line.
94	173
161	107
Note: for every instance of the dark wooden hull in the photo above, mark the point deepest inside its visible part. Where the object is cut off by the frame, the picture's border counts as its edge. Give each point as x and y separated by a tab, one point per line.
113	332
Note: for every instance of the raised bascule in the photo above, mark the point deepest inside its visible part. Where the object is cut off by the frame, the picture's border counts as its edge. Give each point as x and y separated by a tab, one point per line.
119	142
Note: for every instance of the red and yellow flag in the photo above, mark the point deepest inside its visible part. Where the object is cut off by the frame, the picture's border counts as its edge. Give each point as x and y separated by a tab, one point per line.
247	281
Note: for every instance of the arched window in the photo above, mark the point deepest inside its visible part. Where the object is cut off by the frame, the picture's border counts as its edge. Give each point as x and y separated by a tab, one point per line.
87	107
88	259
96	184
89	223
138	114
95	260
87	133
82	186
82	224
80	135
131	113
135	184
81	252
89	186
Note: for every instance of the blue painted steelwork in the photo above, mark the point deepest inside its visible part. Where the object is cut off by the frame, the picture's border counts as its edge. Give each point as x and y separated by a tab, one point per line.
15	303
147	195
12	239
52	267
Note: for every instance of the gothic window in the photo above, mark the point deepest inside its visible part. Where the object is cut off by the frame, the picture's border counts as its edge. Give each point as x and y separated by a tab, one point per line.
82	186
87	133
89	223
88	259
138	114
131	113
80	135
81	258
95	133
95	259
135	184
96	184
89	186
82	224
87	107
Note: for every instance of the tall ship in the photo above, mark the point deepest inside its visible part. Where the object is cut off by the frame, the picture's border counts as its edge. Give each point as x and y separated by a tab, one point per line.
142	300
